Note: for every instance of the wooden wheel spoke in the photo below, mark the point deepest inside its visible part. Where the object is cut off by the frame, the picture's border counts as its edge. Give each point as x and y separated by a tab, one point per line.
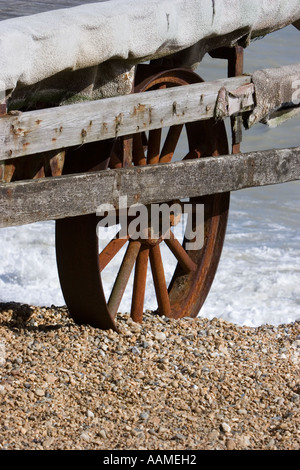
192	154
110	251
123	277
138	154
159	280
116	156
185	261
154	146
170	143
139	285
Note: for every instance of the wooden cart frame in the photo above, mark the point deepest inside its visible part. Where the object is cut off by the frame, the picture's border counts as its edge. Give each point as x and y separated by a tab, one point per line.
62	163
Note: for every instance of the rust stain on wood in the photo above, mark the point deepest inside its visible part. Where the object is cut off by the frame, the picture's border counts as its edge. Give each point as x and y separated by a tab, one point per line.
118	122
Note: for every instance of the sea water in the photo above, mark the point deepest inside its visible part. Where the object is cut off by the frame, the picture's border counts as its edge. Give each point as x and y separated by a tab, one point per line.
258	278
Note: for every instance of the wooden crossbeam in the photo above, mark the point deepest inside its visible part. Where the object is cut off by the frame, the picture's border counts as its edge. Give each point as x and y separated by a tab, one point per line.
56	128
67	196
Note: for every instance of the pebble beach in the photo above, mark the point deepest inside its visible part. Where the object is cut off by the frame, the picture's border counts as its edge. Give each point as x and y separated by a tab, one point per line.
164	384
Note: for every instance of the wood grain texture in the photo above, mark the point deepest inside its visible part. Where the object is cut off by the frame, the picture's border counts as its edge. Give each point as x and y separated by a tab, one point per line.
66	196
56	128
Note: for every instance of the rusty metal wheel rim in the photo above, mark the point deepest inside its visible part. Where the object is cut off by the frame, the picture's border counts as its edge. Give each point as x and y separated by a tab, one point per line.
82	280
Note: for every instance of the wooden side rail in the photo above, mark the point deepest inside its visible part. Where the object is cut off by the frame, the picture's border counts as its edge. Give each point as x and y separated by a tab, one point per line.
56	128
66	196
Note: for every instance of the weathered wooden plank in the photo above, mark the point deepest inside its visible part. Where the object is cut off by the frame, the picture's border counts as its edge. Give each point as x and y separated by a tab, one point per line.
54	198
56	128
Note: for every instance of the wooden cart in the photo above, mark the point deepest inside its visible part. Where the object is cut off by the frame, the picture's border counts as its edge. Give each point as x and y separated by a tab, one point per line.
63	163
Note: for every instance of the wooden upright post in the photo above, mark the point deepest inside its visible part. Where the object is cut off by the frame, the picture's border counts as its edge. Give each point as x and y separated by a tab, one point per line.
235	57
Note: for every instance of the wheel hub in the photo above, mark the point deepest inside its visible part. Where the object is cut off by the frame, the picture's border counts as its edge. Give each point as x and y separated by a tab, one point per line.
156	231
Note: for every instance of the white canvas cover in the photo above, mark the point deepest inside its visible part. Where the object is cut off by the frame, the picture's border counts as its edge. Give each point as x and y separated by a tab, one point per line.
90	50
